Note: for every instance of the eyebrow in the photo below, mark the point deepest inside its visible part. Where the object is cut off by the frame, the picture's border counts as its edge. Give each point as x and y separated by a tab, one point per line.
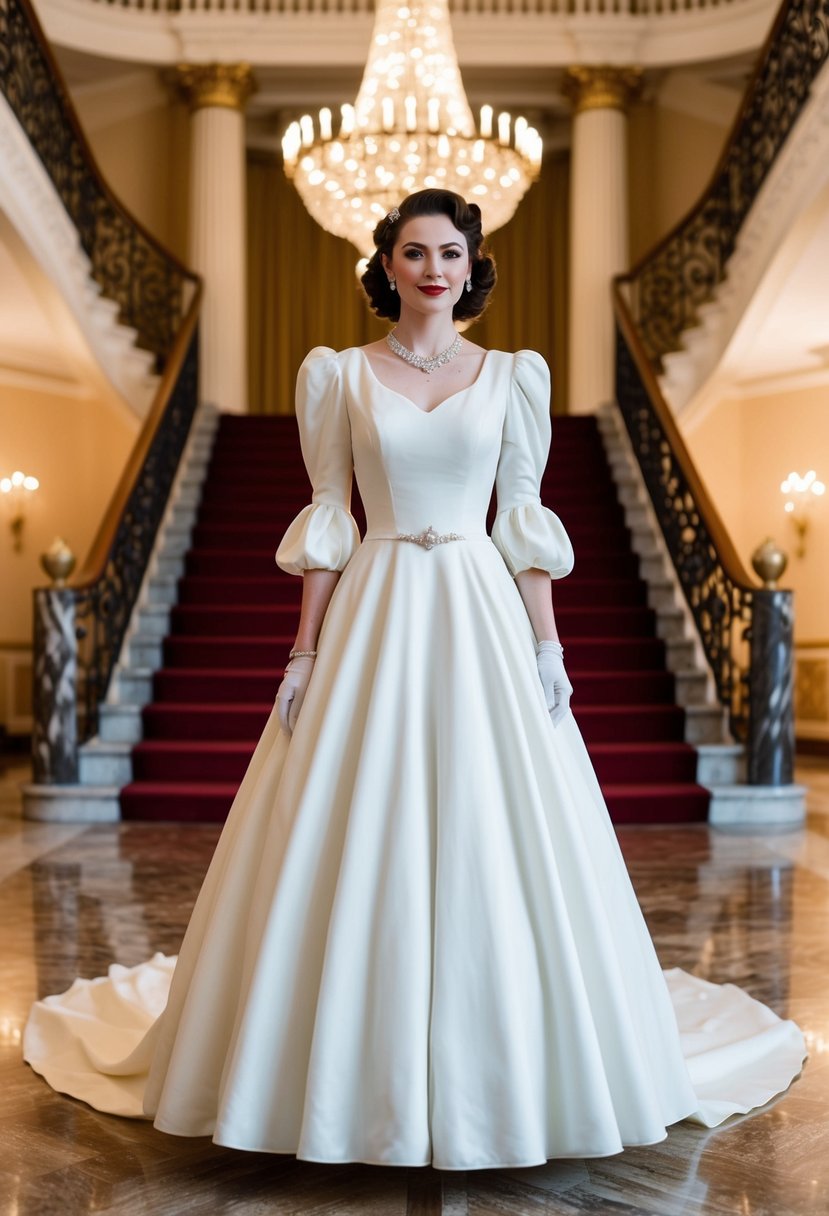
445	245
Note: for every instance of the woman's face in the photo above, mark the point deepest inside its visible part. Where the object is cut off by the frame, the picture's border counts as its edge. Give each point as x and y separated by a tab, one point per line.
429	252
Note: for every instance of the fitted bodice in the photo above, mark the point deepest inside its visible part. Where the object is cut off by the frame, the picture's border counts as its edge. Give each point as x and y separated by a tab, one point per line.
418	468
415	468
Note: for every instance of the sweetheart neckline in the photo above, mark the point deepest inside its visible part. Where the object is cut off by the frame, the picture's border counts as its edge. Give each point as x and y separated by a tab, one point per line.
414	404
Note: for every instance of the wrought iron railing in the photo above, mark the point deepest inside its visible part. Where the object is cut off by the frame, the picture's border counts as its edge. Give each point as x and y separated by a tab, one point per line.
148	283
666	288
746	630
79	627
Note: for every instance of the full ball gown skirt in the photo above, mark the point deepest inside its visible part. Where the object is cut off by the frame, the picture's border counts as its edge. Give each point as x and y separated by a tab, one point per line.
417	941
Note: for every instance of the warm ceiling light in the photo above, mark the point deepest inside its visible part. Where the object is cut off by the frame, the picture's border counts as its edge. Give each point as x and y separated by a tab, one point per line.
410	127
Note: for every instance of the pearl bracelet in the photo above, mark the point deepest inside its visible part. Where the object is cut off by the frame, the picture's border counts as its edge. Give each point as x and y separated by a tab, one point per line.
551	645
302	654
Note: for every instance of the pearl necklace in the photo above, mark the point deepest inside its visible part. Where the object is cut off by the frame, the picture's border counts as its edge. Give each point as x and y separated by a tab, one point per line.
426	363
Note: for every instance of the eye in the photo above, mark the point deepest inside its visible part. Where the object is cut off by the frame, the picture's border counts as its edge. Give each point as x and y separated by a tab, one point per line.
412	253
453	253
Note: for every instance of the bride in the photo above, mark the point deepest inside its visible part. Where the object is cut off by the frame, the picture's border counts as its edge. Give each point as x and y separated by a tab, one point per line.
417	942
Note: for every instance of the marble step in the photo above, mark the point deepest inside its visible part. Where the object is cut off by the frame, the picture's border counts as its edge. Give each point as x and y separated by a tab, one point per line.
720	764
680	655
691	687
661	593
105	762
188	499
162	589
72	804
134	684
170	565
670	625
646	541
183	514
145	651
652	568
120	723
176	540
108	763
153	620
705	724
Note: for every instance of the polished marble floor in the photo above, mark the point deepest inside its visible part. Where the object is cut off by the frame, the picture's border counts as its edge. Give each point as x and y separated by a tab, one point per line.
752	909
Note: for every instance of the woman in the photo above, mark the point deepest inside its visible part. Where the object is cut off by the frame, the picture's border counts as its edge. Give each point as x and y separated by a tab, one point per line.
417	941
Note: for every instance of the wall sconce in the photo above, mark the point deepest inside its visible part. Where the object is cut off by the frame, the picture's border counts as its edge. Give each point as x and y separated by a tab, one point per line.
16	490
801	493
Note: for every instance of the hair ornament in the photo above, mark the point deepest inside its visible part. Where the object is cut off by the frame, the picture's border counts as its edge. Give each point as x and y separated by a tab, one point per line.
393	215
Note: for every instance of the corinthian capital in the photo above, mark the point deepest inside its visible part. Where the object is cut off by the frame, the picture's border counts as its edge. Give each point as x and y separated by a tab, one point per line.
601	88
214	84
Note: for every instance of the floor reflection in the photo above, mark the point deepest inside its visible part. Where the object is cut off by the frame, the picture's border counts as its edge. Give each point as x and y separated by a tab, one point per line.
753	910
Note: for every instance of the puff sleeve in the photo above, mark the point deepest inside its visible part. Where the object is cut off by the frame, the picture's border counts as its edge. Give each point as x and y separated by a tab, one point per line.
324	536
526	533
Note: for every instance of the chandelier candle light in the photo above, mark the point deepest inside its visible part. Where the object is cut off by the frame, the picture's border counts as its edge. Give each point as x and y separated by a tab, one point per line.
410	127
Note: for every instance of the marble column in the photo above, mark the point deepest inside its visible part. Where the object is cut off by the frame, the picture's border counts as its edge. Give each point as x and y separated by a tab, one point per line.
217	94
598	224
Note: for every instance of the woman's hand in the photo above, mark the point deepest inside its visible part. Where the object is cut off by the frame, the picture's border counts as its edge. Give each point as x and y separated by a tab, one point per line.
291	692
317	589
557	687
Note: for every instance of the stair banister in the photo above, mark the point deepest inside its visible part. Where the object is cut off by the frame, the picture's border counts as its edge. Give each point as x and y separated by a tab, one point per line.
153	294
79	627
746	630
667	285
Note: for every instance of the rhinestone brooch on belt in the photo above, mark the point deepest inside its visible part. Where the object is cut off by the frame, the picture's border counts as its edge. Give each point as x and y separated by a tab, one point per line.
428	538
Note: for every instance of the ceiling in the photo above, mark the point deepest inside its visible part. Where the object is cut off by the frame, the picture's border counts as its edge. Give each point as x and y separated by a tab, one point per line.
785	330
284	93
36	342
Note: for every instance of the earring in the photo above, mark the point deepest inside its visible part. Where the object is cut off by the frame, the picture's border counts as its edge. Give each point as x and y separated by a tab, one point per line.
393	284
469	283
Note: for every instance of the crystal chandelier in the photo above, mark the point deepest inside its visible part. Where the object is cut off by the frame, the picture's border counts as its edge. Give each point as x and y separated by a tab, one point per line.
410	128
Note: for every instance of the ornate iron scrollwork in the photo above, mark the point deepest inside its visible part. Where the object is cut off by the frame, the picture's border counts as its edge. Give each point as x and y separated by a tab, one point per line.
746	631
128	265
668	287
79	630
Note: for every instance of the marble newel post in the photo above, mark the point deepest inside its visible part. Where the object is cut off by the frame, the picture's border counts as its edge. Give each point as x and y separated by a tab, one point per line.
216	94
598	224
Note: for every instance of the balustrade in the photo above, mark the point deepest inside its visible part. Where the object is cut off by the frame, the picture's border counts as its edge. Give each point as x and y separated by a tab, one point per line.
746	630
79	628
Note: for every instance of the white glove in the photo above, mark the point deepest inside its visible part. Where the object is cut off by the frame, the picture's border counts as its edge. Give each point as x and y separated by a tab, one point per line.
557	688
291	692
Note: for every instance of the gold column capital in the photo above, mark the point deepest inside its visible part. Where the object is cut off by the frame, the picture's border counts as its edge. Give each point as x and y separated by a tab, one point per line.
601	88
228	85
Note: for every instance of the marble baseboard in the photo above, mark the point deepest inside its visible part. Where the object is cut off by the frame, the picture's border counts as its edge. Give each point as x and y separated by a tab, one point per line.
720	764
106	763
704	724
757	806
71	803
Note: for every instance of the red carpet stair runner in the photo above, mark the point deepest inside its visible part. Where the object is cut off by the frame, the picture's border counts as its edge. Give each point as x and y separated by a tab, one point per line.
237	612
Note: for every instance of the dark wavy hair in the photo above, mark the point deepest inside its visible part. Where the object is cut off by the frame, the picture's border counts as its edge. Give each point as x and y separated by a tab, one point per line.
466	217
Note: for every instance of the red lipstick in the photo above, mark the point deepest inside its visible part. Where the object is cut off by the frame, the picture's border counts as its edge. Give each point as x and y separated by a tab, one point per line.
433	291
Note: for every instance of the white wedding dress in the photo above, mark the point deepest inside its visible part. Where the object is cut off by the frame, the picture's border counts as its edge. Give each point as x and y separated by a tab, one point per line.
417	941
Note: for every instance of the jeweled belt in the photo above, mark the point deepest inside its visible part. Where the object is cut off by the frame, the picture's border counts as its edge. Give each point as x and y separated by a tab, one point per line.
428	538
